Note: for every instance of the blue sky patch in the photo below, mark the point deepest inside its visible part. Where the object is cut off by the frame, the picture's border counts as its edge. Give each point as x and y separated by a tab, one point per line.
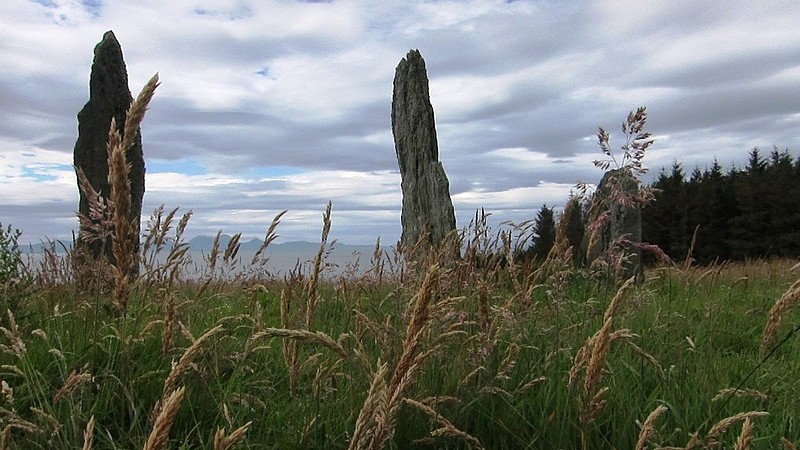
184	166
44	172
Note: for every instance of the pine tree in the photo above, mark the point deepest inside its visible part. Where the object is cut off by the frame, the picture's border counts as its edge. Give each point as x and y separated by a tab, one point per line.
544	234
572	228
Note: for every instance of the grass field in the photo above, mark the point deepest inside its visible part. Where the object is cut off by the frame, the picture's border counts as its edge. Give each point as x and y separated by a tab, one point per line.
447	354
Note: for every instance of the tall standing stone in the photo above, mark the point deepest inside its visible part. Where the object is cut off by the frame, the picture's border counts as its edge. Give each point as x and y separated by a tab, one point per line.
427	208
623	227
109	96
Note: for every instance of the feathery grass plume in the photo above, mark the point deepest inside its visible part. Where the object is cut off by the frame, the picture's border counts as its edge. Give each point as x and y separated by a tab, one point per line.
366	423
178	253
410	361
88	434
186	359
446	427
123	241
170	317
160	433
157	228
137	110
734	392
312	296
126	229
746	436
723	425
787	444
600	342
593	356
14	337
98	225
226	442
648	428
377	263
7	392
74	380
232	249
213	255
313	337
268	238
290	348
776	313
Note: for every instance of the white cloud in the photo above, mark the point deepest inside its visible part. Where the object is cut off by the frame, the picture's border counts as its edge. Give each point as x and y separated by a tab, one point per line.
516	87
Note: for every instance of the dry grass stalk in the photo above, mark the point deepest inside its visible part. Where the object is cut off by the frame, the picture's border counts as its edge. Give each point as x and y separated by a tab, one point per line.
268	238
137	110
157	228
483	307
648	428
377	263
776	313
290	348
170	317
74	380
601	341
312	296
166	416
213	255
314	337
14	337
226	442
447	428
185	361
723	425
123	243
97	226
366	422
7	392
746	436
410	361
751	393
88	434
126	228
232	249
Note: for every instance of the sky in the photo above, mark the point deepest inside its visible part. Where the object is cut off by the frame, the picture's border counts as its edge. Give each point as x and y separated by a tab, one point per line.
267	105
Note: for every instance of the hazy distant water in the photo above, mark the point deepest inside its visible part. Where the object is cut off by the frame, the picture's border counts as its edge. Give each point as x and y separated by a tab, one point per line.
281	260
281	263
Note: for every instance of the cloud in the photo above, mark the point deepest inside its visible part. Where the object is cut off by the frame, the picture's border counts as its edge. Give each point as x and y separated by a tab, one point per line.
272	105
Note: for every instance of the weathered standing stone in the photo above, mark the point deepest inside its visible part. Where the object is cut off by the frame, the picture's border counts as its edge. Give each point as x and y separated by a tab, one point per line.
623	227
109	96
427	208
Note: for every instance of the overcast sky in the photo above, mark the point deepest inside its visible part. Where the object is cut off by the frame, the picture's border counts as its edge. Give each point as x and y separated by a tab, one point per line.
272	105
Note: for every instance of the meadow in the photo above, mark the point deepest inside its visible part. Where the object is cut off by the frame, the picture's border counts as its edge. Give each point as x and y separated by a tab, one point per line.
443	351
474	352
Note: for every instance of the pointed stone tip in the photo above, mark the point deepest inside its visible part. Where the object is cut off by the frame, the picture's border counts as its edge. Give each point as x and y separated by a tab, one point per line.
413	54
109	41
109	36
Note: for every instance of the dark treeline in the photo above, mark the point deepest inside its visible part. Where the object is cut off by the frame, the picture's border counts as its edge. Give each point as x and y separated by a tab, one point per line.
751	212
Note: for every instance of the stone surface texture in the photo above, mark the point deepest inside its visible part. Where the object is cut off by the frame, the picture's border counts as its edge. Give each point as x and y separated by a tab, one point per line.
427	207
624	224
109	96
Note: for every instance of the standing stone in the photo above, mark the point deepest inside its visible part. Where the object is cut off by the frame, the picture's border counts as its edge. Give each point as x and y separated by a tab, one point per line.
427	208
623	228
109	96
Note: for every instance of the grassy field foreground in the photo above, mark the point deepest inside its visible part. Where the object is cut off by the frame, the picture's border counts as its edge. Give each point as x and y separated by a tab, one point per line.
447	354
